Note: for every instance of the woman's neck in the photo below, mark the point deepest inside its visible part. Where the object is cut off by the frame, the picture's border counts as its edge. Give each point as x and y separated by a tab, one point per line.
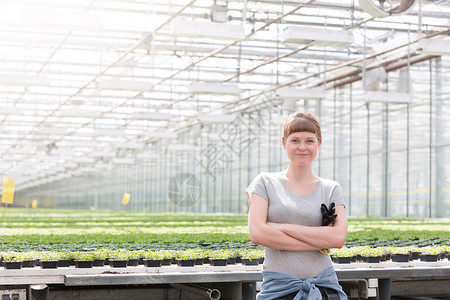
299	174
301	180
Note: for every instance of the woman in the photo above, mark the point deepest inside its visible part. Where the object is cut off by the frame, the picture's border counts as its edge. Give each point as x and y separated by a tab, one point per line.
285	217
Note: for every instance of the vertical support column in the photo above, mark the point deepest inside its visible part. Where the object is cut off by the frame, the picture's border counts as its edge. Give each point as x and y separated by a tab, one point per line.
350	154
430	146
368	160
319	116
384	289
334	134
38	292
441	209
407	157
249	290
385	166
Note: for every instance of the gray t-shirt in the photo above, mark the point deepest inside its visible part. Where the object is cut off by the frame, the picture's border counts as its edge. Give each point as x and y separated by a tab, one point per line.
285	206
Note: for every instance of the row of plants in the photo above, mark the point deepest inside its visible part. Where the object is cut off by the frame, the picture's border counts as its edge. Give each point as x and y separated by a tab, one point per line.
190	257
64	218
128	246
123	257
28	230
396	254
48	226
191	234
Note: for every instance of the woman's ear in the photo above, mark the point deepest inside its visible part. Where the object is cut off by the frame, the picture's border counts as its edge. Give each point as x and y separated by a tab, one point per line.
283	141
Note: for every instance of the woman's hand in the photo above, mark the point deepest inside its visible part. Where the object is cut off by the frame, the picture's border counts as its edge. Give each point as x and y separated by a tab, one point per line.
328	214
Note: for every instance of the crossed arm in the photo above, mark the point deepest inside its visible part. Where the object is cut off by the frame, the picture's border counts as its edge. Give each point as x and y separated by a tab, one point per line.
291	236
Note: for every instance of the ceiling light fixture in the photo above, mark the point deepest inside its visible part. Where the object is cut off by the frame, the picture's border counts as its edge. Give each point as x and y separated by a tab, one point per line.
217	118
387	97
154	116
214	88
161	134
433	46
223	31
10	110
51	130
317	36
294	93
24	79
80	113
133	85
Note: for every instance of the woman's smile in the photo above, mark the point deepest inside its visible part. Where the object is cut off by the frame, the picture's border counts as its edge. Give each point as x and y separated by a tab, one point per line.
301	146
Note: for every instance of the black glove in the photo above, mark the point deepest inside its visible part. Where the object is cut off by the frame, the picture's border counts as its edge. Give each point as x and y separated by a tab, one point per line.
328	215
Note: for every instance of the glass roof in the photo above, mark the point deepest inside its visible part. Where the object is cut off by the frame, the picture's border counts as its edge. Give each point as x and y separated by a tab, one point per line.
78	79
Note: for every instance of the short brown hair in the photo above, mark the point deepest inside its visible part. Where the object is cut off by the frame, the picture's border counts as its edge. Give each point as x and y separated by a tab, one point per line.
300	122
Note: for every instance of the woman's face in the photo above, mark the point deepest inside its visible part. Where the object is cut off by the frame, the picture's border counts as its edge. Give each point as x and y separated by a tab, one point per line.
301	147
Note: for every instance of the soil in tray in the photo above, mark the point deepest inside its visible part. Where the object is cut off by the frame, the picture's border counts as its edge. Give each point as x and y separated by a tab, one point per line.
186	263
12	264
427	257
250	262
49	264
64	263
28	263
83	264
133	262
98	262
231	261
152	263
400	257
218	262
166	262
371	259
342	260
118	263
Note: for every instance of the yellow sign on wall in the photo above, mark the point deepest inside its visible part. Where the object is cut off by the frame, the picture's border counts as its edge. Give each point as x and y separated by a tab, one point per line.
126	198
8	190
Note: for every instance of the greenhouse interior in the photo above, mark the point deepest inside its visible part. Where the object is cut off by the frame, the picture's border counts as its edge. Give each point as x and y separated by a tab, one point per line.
131	129
176	105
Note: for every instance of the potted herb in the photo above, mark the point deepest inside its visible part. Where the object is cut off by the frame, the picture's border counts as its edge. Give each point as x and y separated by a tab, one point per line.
429	254
30	259
371	255
234	255
12	260
168	256
83	259
385	253
65	259
218	257
119	258
153	258
99	257
134	258
200	256
49	259
400	254
355	253
139	256
341	256
415	252
251	257
185	258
